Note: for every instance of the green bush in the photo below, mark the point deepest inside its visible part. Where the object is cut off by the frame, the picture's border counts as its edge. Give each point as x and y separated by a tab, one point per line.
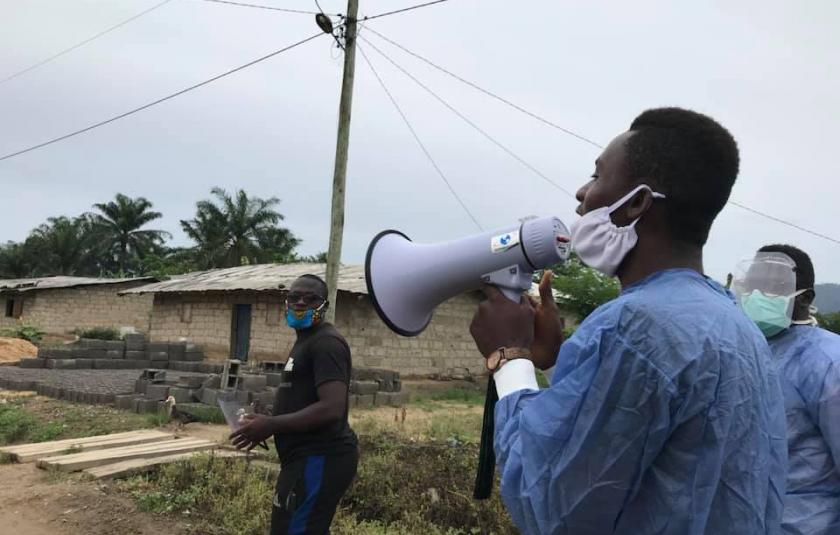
99	333
830	322
25	331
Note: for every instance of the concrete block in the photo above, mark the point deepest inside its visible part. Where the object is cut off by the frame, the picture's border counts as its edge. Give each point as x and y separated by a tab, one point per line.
140	386
210	396
61	364
364	387
158	347
264	398
191	381
392	399
125	402
96	353
114	354
193	356
274	379
157	356
62	353
115	345
135	355
253	383
364	400
190	347
176	351
104	364
91	343
84	364
33	363
153	375
131	364
135	342
181	395
158	392
242	395
148	405
272	366
213	381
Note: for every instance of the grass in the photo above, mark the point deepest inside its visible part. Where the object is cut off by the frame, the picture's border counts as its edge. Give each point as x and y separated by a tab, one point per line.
25	419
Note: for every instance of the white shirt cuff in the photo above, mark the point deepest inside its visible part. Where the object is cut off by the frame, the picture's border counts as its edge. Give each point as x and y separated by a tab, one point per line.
515	375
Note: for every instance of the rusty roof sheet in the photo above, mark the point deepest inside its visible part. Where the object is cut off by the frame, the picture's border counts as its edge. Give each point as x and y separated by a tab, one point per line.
259	277
52	283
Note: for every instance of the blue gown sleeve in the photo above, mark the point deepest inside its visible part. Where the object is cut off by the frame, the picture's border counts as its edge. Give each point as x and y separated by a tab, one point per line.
829	410
571	455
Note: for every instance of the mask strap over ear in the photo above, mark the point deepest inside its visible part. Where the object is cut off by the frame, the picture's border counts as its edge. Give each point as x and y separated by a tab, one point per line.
619	203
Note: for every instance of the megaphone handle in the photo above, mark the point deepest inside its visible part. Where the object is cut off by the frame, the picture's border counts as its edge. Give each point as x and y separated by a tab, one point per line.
486	470
512	281
514	294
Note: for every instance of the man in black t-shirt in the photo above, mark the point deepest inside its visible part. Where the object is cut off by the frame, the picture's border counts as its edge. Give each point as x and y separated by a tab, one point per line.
318	451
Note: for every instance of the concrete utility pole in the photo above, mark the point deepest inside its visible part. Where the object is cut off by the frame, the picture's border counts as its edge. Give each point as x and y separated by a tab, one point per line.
341	147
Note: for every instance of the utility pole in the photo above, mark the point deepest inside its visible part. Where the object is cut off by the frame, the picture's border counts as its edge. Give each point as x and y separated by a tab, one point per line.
341	147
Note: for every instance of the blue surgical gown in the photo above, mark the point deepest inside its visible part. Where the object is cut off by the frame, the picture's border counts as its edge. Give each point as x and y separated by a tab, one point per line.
808	359
664	415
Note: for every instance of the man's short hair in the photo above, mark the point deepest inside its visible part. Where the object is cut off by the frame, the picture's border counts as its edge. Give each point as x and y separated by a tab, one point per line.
690	158
323	291
804	268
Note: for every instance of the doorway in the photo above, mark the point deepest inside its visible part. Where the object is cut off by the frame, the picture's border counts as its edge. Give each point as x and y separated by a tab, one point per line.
240	339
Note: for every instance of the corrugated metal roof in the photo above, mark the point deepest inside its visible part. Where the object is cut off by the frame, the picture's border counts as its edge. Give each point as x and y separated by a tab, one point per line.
259	277
51	283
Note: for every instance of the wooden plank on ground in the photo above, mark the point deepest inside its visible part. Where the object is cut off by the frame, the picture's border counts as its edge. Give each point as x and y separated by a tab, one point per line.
79	461
138	466
29	452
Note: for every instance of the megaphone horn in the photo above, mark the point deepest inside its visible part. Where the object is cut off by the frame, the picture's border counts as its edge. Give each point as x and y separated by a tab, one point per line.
406	281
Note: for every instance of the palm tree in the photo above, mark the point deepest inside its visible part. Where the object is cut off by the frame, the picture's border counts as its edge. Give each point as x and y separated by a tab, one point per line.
17	260
61	245
120	223
234	230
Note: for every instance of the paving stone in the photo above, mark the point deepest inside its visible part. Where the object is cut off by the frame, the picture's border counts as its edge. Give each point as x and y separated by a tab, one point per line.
33	363
125	401
253	383
364	387
158	392
364	400
181	395
96	353
91	343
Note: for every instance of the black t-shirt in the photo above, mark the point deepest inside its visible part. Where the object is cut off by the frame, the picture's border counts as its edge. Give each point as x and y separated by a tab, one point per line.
319	355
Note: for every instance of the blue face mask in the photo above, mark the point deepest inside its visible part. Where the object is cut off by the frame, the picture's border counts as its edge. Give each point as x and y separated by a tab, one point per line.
304	319
770	313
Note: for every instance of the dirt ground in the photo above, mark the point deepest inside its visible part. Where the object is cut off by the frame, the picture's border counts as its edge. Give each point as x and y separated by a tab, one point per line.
34	502
13	349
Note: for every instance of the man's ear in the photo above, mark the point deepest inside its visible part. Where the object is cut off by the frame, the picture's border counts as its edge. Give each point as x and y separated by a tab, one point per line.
638	204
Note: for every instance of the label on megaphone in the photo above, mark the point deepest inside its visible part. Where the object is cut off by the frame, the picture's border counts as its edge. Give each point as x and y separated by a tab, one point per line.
407	281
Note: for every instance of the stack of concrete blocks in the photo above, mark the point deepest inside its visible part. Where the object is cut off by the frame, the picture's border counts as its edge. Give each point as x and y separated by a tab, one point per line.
378	387
133	352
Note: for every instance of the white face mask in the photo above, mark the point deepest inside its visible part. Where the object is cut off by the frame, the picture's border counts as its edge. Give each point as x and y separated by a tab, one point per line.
601	244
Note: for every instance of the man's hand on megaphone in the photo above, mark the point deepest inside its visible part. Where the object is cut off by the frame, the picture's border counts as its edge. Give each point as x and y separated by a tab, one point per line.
548	326
500	322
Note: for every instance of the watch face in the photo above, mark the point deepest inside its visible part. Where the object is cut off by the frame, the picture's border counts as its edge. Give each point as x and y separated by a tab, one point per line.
493	360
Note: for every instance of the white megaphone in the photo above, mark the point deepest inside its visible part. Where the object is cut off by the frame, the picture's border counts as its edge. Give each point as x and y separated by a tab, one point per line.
406	281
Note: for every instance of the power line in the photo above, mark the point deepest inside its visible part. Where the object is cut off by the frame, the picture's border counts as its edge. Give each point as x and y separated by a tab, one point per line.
86	41
469	121
272	8
158	101
387	13
784	222
487	92
417	138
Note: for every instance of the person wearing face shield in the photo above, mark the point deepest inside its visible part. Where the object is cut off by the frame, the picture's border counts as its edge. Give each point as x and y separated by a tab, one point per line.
779	300
318	450
664	413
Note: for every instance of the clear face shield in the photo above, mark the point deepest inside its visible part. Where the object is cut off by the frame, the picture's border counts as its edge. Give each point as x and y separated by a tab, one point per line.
765	286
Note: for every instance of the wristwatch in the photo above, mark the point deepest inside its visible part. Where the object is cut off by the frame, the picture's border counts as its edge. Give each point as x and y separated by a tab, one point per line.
498	358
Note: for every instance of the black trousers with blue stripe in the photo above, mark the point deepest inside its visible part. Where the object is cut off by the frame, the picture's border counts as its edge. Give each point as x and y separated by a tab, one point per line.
308	491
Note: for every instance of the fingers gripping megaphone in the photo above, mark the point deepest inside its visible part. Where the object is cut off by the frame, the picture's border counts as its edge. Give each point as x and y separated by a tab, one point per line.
506	258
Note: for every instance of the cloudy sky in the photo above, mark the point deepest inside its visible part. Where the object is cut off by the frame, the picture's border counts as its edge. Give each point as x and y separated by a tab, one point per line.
765	69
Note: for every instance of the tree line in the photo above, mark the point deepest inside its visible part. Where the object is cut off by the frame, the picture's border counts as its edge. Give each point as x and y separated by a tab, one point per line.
114	239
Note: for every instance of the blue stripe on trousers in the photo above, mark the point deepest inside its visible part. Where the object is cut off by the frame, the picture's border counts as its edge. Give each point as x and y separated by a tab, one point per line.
312	476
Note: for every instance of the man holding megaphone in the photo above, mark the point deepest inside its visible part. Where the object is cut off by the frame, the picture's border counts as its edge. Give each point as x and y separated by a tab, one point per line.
664	413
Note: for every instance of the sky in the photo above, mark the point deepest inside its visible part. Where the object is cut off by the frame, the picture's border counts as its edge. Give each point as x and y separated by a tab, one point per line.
767	70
